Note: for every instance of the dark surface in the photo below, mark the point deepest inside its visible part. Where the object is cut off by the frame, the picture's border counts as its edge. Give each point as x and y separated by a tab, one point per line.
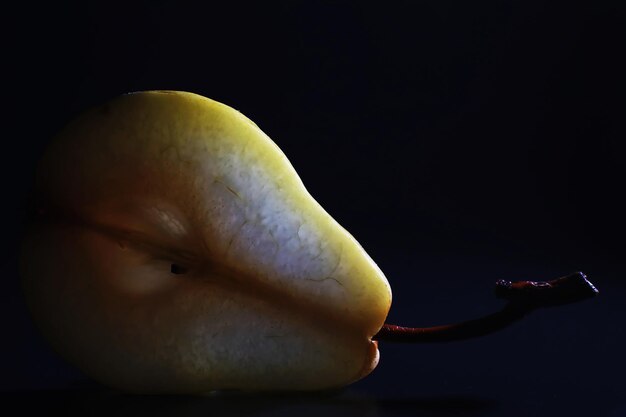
460	143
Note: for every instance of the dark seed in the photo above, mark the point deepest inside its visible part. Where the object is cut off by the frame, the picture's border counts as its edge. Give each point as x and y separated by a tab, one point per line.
177	269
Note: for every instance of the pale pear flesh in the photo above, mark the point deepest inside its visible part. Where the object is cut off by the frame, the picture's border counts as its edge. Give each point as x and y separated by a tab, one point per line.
275	294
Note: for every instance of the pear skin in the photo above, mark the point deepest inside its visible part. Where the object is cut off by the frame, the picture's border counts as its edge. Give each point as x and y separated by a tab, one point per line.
181	253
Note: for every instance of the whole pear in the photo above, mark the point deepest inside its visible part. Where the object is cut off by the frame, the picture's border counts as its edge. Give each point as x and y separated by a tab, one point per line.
176	250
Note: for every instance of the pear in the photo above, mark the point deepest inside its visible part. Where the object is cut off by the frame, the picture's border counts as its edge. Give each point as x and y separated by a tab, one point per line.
176	250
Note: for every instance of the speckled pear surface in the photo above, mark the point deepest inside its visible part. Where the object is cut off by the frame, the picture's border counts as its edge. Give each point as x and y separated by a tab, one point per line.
273	295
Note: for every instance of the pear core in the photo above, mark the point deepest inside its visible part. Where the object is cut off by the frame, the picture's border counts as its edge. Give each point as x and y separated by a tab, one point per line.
271	292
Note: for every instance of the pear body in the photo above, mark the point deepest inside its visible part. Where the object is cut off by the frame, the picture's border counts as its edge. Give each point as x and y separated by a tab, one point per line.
179	252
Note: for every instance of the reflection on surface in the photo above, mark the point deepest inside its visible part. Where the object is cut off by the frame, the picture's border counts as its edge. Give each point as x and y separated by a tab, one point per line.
95	400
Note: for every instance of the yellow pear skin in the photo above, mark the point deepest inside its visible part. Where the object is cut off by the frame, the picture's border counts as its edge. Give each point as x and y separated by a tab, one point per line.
178	251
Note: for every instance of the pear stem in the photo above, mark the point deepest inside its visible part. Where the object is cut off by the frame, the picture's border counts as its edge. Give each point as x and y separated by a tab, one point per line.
522	296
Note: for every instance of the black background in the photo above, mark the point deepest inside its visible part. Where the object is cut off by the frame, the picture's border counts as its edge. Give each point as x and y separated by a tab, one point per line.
459	142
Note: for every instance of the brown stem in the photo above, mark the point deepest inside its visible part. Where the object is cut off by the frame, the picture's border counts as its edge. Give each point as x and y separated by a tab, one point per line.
523	297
